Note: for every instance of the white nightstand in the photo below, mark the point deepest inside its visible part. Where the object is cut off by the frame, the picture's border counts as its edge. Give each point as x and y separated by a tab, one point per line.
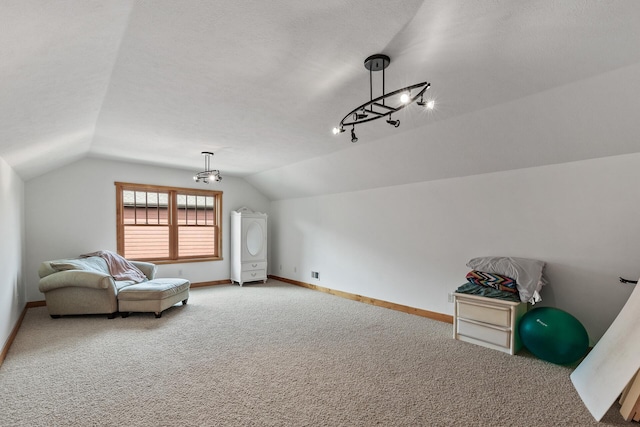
489	322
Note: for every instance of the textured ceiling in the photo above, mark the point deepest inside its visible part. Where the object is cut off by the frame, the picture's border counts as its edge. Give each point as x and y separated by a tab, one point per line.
261	84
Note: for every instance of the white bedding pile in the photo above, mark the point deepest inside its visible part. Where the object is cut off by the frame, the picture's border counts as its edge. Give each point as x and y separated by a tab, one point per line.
528	273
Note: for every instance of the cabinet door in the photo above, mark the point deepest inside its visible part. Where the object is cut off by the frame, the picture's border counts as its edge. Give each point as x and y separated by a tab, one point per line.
254	239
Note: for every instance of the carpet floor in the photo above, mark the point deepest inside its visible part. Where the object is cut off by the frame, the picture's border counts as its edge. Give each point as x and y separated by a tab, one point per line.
274	355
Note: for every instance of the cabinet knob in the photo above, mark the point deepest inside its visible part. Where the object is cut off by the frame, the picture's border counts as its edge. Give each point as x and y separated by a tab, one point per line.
254	265
253	274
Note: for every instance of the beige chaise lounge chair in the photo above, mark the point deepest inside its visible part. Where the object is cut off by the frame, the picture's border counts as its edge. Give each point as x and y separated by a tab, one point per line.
86	286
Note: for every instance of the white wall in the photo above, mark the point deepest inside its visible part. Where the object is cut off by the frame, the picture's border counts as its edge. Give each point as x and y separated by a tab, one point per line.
12	250
409	244
71	211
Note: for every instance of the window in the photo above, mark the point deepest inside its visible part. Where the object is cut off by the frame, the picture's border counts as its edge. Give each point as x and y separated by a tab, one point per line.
168	224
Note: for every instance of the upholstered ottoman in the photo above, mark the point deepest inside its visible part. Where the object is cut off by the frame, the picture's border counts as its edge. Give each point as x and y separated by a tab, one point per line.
153	296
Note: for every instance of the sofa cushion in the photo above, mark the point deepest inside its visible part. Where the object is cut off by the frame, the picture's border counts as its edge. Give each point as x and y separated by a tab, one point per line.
153	289
89	279
91	264
121	284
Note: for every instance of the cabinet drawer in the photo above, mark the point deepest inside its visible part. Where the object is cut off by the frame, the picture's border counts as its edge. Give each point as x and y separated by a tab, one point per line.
496	336
256	265
250	276
500	316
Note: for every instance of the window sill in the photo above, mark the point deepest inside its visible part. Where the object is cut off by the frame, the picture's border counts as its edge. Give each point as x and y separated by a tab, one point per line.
181	261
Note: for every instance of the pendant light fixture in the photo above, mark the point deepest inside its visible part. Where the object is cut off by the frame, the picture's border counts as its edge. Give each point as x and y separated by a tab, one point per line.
386	104
207	175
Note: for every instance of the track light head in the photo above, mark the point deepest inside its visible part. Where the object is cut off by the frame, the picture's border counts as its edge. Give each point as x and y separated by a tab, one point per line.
354	138
361	115
394	123
429	105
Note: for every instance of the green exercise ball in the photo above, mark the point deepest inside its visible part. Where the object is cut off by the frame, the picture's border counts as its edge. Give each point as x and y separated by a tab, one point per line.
553	335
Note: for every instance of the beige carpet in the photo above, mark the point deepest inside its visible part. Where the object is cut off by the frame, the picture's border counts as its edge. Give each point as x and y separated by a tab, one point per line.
274	355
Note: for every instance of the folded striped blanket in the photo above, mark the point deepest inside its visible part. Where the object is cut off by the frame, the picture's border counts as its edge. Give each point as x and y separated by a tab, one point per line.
492	280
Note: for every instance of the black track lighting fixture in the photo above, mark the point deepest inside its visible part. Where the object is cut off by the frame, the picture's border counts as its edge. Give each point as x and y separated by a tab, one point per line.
387	103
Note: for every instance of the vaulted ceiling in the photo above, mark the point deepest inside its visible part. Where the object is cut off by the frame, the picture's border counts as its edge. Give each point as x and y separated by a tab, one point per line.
262	84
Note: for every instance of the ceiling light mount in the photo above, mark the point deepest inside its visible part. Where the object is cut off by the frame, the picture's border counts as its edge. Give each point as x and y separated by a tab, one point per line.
387	103
208	174
377	62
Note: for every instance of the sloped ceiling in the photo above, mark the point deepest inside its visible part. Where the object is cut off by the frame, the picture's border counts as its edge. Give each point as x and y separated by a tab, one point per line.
261	84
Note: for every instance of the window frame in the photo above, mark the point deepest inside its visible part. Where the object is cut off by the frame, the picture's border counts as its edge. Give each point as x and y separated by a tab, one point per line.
173	222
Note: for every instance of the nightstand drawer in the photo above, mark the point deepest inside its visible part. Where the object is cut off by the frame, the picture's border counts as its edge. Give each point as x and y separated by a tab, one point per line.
485	333
499	316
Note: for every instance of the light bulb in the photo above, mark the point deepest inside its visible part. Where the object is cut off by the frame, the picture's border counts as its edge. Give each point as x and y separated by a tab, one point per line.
336	131
431	104
404	98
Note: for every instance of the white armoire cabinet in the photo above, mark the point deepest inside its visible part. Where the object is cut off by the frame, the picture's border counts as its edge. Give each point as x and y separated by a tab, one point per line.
248	246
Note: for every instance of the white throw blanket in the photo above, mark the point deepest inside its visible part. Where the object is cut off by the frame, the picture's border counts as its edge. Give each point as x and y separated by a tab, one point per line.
119	267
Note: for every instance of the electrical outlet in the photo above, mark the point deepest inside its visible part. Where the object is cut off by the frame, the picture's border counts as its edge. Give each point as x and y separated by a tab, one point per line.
295	269
315	275
450	297
180	273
